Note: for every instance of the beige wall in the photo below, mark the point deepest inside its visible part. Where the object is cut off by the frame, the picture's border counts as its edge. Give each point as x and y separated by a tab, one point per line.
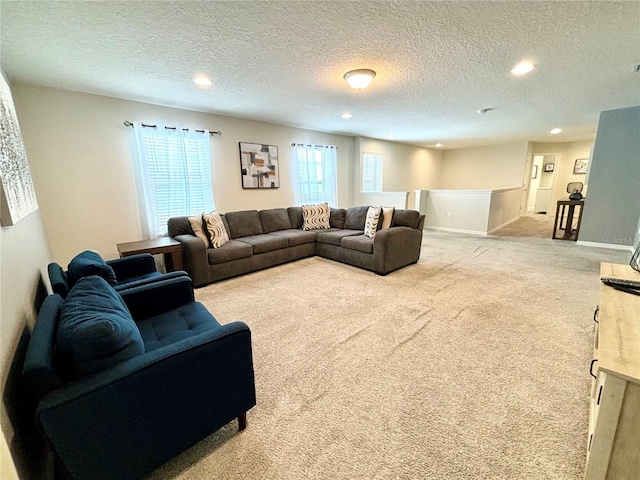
567	152
405	167
81	159
486	167
24	255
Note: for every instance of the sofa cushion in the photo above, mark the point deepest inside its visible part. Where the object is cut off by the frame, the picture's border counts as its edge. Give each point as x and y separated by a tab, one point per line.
387	217
216	230
406	218
336	218
315	217
355	217
297	237
372	221
233	250
89	263
360	243
95	330
197	225
186	321
244	223
295	216
265	242
334	237
274	219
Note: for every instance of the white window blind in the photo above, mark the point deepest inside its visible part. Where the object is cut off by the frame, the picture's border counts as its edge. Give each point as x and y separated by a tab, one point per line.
371	173
175	175
314	174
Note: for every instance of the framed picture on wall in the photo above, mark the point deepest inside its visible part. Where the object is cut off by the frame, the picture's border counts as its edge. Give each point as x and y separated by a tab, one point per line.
548	167
534	171
259	165
580	167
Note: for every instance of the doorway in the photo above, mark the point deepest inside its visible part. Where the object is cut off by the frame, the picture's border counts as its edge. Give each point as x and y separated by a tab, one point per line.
541	183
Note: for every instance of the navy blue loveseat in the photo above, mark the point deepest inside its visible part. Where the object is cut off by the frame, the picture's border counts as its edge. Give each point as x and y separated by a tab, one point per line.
127	380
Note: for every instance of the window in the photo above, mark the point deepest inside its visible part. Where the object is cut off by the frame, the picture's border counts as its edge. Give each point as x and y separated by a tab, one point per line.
314	174
174	173
371	173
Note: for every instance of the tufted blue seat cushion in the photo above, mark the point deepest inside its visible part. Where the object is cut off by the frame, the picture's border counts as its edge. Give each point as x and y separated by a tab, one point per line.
184	322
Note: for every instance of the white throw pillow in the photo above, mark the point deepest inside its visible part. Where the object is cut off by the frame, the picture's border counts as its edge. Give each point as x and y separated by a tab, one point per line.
387	217
196	223
315	217
371	223
215	228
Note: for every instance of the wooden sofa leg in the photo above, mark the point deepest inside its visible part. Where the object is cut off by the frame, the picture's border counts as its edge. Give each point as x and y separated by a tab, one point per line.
242	421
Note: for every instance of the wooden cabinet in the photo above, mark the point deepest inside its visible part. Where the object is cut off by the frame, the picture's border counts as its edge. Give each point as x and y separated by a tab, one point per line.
613	442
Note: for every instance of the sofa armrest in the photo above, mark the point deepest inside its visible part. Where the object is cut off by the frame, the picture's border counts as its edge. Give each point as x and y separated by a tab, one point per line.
132	266
194	258
151	280
151	299
58	279
132	418
395	247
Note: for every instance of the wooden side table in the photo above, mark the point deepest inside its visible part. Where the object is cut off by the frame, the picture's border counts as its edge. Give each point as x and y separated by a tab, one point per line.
569	232
170	248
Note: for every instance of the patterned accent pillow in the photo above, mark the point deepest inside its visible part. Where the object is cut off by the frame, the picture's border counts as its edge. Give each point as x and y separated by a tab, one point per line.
387	217
197	223
315	217
371	222
215	228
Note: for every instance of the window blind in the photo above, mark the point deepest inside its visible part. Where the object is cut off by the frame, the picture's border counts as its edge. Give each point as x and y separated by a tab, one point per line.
371	173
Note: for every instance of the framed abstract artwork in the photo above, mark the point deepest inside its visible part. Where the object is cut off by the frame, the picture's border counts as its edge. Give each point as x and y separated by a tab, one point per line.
17	194
259	166
581	165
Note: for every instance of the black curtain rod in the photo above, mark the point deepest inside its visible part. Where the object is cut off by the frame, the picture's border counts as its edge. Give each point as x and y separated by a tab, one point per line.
127	123
310	145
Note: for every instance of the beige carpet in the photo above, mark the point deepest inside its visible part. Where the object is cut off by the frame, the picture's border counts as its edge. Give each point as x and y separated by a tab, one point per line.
471	364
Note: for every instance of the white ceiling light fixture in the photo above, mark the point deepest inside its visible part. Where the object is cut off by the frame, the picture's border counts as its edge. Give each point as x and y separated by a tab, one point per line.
202	82
438	145
391	136
483	111
555	131
359	79
522	68
346	115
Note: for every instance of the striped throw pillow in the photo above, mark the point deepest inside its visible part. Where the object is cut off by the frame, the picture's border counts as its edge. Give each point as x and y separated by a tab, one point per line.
215	228
197	224
371	222
315	217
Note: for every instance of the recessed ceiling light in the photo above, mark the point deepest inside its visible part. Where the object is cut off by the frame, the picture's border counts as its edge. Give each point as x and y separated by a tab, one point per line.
202	82
346	115
522	68
438	145
483	111
359	79
391	135
555	131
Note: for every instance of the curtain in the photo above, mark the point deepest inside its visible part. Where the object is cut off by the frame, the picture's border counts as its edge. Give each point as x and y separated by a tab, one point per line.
174	175
314	173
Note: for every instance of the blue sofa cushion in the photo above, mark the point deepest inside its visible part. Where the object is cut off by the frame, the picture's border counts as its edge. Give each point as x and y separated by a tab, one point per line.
95	330
186	321
89	263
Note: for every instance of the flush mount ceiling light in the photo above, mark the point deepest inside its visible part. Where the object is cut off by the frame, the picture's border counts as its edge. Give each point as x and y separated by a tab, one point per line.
202	82
359	79
438	145
346	115
522	68
555	131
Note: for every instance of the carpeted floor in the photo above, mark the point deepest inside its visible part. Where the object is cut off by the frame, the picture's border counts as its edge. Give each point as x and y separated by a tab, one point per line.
471	364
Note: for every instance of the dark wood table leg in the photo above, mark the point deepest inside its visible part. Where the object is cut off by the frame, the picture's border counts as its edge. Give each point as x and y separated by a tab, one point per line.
555	224
568	227
176	261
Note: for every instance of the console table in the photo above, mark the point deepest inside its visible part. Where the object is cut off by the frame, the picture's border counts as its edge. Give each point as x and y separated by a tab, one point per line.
569	232
613	439
170	248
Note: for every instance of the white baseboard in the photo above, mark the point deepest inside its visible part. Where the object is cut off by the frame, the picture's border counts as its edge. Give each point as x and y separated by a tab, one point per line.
605	245
503	225
457	230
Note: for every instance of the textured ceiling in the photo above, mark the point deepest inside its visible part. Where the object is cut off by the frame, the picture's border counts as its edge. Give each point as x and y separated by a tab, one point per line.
437	63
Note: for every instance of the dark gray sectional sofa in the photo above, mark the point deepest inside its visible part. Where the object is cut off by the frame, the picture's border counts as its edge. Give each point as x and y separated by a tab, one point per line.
265	238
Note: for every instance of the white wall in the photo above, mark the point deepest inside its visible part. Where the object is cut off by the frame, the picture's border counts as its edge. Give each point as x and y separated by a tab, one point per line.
80	154
485	168
459	210
504	208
